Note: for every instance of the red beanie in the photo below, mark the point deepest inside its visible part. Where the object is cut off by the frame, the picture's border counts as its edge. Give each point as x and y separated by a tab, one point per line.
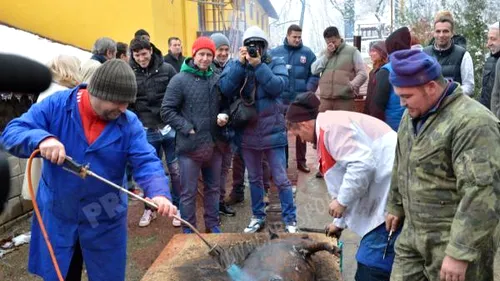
203	43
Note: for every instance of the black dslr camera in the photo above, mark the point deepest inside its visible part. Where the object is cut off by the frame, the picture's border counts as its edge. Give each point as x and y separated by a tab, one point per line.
253	50
255	47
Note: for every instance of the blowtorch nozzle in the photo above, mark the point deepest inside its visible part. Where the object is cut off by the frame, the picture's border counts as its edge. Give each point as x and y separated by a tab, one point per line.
76	168
222	257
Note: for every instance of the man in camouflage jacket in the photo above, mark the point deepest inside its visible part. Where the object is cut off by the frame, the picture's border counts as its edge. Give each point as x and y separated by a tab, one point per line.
445	181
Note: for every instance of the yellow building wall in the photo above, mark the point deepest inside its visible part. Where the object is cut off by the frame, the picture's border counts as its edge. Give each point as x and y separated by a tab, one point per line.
256	18
228	14
80	23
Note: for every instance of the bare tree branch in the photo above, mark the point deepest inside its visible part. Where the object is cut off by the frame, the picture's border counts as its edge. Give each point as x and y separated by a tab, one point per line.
338	7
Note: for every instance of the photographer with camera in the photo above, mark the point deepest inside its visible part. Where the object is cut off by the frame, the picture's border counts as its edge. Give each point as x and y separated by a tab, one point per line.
260	80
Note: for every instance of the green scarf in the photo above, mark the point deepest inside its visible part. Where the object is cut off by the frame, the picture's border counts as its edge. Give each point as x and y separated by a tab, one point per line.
188	66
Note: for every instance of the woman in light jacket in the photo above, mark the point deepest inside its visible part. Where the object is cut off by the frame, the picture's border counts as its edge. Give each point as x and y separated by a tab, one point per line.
65	74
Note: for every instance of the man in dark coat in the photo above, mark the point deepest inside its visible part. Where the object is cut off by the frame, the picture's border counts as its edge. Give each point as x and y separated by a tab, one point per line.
298	59
490	65
192	107
152	76
262	79
174	56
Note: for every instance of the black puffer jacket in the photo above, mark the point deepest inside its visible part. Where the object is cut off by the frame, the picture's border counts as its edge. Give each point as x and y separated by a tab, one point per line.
488	79
151	86
173	61
192	101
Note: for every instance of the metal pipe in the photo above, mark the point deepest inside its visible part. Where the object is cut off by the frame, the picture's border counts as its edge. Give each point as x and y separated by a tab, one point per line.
151	204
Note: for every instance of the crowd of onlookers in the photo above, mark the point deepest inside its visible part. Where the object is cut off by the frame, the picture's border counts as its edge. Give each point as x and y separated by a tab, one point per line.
416	166
179	99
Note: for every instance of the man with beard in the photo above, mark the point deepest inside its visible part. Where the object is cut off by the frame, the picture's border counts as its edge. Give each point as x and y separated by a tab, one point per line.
86	220
445	180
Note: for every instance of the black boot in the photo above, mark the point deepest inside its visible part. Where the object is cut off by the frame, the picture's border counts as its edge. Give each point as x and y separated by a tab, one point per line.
303	167
234	199
226	210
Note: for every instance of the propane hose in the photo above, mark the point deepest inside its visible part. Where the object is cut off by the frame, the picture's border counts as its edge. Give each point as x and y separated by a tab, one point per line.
39	218
82	172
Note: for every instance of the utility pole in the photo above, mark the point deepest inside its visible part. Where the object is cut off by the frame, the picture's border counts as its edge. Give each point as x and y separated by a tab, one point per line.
301	23
392	15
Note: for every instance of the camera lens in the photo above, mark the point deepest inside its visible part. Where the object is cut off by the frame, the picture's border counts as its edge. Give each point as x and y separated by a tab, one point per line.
252	51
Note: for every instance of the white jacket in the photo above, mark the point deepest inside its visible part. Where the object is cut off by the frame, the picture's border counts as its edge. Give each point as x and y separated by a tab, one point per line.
356	154
87	69
36	166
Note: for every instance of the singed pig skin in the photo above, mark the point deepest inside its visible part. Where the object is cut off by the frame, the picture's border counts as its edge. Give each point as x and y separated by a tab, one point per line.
285	259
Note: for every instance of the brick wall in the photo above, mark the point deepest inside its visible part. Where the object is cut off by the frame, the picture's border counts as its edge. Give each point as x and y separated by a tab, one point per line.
17	208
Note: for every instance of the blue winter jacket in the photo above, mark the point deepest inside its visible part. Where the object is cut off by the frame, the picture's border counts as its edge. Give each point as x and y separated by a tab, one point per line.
269	79
84	210
394	110
298	61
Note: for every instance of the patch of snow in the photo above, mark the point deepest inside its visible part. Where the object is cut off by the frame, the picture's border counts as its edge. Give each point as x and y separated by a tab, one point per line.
15	41
22	239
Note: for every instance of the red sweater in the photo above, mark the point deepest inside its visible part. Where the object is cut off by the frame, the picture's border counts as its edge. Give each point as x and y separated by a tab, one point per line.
92	124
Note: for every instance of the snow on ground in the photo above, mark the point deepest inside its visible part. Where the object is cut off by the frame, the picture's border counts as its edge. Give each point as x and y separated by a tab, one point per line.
15	41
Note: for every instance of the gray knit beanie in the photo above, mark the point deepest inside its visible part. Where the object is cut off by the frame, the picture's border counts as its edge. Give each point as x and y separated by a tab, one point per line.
114	81
219	40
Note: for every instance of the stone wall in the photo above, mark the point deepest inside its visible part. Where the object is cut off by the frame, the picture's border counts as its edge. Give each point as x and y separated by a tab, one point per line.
17	208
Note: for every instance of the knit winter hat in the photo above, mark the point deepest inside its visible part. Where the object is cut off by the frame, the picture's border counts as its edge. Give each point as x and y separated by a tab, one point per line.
398	40
303	108
114	81
379	47
203	43
413	68
219	40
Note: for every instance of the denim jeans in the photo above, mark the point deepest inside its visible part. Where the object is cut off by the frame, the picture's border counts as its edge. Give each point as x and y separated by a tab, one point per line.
165	145
239	175
227	157
276	159
211	171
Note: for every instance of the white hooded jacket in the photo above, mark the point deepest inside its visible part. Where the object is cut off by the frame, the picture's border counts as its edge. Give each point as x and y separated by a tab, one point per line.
356	155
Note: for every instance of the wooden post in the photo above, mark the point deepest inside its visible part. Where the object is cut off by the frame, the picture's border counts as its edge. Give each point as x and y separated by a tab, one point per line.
357	42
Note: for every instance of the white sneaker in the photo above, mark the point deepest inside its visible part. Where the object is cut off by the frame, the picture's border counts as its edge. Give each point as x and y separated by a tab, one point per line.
291	228
176	222
147	217
255	225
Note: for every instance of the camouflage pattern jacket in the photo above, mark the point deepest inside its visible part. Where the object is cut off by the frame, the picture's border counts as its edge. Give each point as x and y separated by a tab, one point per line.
445	180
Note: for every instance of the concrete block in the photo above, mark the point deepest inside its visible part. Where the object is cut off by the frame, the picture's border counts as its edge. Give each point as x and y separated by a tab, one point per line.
15	166
22	163
15	226
27	205
13	209
15	187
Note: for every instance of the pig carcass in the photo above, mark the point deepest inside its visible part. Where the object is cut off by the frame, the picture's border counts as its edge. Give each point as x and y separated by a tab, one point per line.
285	259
